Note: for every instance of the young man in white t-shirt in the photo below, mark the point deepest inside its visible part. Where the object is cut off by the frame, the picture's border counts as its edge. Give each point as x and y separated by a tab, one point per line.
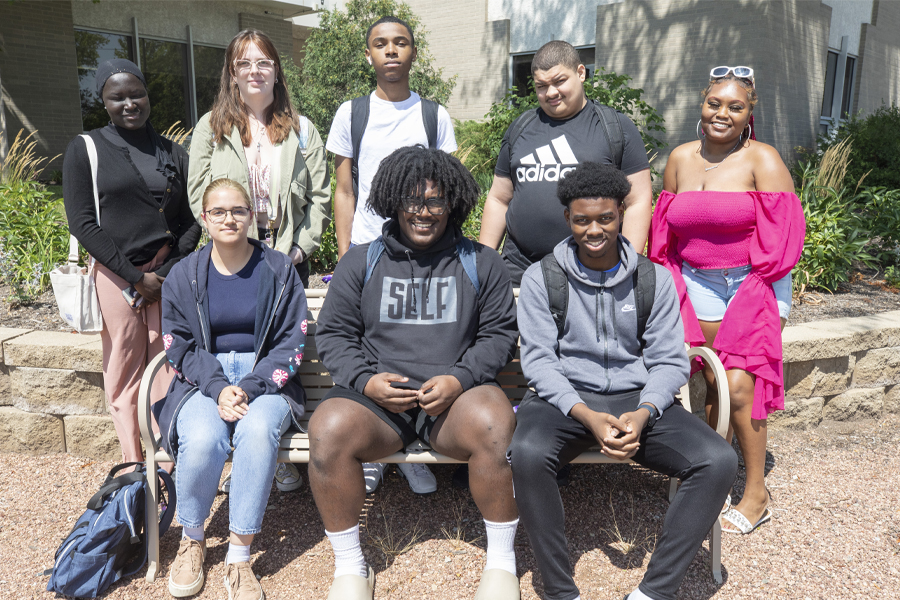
395	120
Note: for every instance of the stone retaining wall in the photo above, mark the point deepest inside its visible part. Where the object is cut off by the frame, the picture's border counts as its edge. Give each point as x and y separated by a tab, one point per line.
52	399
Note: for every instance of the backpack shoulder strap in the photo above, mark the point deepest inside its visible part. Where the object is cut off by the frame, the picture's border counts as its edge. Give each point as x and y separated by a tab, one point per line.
430	119
373	255
519	125
465	249
359	118
612	128
644	281
557	291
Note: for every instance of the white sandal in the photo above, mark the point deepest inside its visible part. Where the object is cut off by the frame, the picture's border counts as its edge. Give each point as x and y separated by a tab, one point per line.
734	517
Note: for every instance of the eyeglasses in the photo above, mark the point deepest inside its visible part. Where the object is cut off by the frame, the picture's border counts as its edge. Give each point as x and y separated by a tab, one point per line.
739	72
263	64
435	206
217	215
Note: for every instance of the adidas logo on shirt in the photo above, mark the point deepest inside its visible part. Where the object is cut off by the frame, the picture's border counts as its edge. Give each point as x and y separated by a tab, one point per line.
546	167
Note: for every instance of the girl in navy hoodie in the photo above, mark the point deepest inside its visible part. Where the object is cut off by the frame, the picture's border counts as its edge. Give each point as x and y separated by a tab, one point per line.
234	327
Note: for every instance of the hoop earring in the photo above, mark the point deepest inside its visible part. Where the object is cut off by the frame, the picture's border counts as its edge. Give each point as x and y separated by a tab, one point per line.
276	80
700	134
749	133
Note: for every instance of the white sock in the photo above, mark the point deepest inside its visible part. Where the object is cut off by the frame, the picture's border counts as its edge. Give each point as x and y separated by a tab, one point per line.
501	553
237	554
637	594
194	533
348	556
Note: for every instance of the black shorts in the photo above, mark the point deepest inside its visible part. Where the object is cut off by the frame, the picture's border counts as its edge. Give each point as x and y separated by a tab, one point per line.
411	425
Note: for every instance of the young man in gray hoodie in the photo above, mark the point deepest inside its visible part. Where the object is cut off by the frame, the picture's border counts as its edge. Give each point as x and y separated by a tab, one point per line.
598	381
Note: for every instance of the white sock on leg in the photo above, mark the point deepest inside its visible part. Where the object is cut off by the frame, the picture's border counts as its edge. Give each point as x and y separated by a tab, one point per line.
237	554
637	594
194	533
501	553
348	556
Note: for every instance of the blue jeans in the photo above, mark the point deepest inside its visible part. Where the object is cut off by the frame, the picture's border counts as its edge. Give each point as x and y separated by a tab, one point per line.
711	290
205	441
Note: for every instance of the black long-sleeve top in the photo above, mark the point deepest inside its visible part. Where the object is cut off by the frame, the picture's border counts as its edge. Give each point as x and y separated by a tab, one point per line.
134	225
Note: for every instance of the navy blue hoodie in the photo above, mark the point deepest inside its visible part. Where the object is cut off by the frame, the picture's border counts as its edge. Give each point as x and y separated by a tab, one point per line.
418	315
279	337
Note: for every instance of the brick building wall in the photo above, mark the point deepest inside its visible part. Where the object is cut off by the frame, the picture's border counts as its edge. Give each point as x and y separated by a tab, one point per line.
279	30
45	99
878	74
464	43
669	46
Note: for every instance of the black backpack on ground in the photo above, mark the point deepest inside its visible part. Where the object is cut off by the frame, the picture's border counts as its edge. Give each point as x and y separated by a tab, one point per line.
643	279
359	118
609	120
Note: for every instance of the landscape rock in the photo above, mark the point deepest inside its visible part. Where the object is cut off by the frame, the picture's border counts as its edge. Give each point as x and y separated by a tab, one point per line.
879	366
892	400
30	433
855	405
821	377
56	349
57	391
5	396
93	436
802	413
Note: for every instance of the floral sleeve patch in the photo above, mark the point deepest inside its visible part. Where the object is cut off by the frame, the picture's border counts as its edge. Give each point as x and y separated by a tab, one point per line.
298	359
280	377
167	341
303	326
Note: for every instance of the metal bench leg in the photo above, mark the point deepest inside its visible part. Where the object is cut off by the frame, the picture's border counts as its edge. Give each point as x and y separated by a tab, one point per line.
715	548
673	487
151	507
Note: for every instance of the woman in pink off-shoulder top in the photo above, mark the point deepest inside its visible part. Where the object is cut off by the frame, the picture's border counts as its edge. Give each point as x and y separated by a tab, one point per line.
730	229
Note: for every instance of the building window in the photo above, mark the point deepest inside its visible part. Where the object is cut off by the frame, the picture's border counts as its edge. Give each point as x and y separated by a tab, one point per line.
521	69
91	49
208	63
165	67
831	73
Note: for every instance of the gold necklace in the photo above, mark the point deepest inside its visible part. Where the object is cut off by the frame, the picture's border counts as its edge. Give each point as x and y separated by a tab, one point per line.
716	166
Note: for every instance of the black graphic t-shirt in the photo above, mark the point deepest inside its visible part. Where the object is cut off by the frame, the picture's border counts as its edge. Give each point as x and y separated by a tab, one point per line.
546	150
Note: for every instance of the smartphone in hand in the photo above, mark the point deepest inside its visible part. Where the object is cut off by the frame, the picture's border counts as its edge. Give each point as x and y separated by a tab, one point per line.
406	385
132	297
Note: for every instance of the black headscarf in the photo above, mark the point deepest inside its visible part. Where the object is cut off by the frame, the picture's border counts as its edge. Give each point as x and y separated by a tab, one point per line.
165	164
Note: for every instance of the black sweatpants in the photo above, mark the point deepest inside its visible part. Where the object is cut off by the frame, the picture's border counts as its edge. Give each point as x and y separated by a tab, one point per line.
678	445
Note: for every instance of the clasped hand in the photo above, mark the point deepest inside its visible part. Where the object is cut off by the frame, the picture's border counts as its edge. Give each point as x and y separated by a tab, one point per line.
435	396
619	438
233	404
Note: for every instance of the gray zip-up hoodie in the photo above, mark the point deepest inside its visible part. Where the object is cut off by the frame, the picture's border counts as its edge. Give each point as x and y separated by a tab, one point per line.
600	351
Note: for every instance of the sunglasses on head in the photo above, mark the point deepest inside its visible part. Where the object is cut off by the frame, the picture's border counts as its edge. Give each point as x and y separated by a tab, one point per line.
739	72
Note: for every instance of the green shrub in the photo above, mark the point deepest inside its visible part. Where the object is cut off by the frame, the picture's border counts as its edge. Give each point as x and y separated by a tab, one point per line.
836	235
876	148
892	277
605	86
880	211
33	238
335	68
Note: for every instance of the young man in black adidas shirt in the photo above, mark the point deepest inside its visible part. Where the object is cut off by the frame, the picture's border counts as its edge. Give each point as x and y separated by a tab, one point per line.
414	330
567	130
609	377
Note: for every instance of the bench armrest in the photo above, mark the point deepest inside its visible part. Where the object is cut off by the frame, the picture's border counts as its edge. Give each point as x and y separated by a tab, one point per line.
710	358
145	419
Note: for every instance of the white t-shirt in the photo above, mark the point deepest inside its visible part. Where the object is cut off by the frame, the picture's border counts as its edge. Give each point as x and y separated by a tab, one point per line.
391	125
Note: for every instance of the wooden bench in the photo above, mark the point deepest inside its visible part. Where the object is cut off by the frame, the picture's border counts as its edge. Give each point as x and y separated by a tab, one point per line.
316	381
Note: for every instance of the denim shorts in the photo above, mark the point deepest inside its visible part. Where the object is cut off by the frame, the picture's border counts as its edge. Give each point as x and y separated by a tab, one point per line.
711	290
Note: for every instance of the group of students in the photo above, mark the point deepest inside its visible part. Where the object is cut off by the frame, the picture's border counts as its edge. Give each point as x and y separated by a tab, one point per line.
602	328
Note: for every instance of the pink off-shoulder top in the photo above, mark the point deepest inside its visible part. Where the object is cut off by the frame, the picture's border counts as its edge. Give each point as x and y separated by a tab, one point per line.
749	337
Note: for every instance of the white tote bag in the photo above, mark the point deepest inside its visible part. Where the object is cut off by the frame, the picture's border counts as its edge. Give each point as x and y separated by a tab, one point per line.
73	285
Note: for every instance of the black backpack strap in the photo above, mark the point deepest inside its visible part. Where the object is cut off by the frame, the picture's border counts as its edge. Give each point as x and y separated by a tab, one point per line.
359	118
557	291
114	483
519	125
430	119
644	281
612	128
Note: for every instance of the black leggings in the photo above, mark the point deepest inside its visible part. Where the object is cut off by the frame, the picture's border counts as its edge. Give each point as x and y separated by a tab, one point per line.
678	445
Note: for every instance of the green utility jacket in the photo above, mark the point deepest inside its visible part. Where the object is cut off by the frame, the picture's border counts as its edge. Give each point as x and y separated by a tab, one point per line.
300	181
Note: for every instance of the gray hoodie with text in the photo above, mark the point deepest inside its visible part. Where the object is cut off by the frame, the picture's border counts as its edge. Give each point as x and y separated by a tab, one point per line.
599	351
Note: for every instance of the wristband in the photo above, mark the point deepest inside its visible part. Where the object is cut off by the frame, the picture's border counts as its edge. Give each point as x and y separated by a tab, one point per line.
654	412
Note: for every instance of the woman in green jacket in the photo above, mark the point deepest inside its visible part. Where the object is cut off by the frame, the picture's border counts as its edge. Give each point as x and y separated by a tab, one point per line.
254	136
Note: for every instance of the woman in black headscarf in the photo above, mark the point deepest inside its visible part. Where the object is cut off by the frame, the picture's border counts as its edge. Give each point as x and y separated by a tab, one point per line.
145	226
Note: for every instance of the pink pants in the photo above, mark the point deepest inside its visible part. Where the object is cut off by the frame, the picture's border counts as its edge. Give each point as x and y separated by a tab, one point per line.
131	338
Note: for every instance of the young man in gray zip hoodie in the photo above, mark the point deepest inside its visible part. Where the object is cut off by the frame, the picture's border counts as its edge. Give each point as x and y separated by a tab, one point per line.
601	383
